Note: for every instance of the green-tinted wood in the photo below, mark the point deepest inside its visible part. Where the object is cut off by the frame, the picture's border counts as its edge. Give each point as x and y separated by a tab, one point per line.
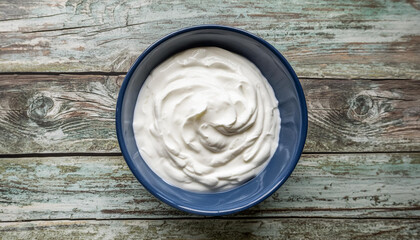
336	39
326	185
75	113
229	229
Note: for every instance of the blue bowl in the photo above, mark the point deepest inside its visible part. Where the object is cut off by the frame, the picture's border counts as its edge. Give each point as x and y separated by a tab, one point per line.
292	106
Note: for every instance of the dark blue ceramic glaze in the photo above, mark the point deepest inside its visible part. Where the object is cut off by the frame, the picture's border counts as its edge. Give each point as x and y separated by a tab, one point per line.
292	106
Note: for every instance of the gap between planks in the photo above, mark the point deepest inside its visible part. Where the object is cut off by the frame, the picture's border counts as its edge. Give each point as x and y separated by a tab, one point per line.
204	218
117	154
99	73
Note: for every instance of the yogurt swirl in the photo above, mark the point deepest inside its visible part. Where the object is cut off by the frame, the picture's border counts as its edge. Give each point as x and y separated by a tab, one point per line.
206	119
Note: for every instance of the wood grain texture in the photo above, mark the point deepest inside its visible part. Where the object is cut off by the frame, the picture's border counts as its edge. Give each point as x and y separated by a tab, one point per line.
58	113
333	39
331	185
284	228
354	116
75	113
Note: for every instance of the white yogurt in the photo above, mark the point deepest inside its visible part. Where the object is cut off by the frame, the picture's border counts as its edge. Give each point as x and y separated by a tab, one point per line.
206	119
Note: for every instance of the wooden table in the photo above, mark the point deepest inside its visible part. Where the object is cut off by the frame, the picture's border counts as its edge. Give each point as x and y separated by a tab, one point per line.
61	171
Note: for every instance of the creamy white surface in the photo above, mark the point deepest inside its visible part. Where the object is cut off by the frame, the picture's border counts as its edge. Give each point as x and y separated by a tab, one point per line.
206	119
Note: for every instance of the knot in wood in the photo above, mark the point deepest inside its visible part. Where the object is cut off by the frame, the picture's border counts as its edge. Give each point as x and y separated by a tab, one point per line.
39	107
362	108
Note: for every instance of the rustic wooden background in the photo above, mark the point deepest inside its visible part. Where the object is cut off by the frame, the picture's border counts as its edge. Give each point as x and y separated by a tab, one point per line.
61	171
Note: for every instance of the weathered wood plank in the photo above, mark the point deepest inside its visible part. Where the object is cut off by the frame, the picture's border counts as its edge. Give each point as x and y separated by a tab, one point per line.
75	113
356	116
339	39
355	185
284	228
58	113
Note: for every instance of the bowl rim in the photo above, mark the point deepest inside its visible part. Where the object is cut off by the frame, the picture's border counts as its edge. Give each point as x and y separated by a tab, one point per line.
302	135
